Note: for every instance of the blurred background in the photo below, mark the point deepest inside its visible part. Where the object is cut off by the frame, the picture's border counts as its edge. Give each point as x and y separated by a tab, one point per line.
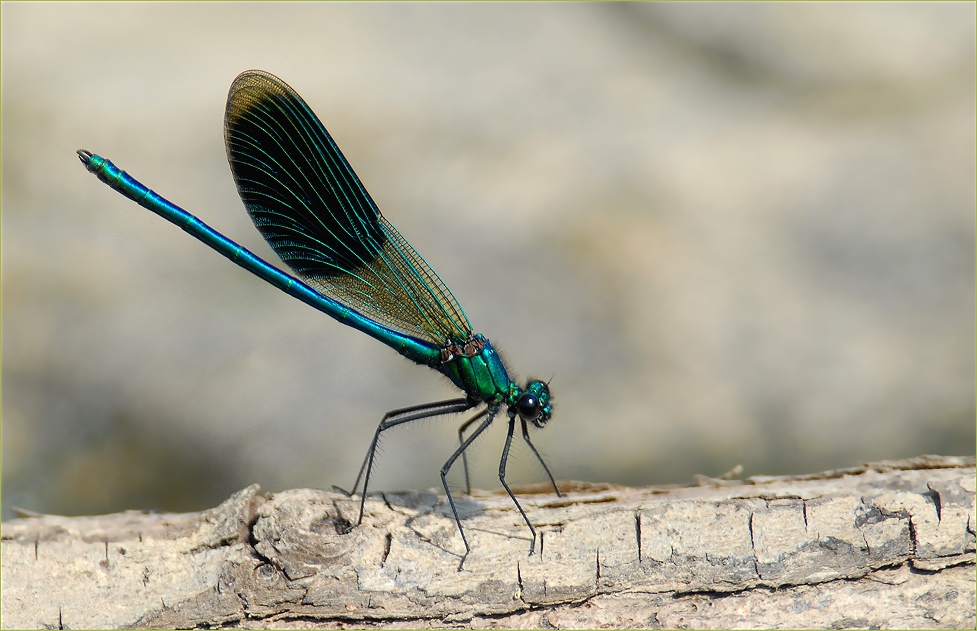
730	233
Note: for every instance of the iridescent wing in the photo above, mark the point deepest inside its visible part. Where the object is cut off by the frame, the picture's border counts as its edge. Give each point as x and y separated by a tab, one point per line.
314	212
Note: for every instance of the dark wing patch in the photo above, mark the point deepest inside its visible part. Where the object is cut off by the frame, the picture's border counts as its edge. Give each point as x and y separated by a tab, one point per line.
314	212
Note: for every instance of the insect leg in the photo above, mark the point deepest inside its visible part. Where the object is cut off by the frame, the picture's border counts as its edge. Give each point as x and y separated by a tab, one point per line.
525	437
502	463
490	414
399	417
464	454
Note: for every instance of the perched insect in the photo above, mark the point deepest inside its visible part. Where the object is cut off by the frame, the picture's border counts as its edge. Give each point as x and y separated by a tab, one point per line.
351	264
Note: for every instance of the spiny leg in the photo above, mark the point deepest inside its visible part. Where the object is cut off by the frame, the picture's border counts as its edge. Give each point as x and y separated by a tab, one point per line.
464	454
525	437
502	463
424	410
399	417
490	412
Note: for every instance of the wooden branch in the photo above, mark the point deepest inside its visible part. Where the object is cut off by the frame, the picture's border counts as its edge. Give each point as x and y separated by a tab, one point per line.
889	544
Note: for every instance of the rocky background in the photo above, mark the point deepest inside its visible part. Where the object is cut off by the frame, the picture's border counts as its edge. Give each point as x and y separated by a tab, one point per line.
731	234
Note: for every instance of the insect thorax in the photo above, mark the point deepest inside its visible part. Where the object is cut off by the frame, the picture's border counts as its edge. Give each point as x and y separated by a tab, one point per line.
476	368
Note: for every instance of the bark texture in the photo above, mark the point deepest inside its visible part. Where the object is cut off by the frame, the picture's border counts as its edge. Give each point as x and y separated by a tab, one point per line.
888	544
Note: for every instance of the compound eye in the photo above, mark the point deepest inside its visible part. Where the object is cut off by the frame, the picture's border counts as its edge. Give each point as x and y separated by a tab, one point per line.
528	407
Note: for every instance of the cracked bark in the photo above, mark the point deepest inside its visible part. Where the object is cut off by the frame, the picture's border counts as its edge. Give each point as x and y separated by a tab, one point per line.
887	544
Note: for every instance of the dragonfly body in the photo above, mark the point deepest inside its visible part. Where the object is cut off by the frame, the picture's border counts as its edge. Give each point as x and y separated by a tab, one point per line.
350	263
474	366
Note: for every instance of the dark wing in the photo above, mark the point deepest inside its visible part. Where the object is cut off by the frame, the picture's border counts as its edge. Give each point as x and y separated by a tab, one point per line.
313	211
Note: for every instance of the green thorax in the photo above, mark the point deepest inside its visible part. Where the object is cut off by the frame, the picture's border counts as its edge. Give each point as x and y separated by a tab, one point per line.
477	369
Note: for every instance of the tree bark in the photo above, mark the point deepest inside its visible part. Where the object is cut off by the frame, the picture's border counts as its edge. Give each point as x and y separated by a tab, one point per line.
888	544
